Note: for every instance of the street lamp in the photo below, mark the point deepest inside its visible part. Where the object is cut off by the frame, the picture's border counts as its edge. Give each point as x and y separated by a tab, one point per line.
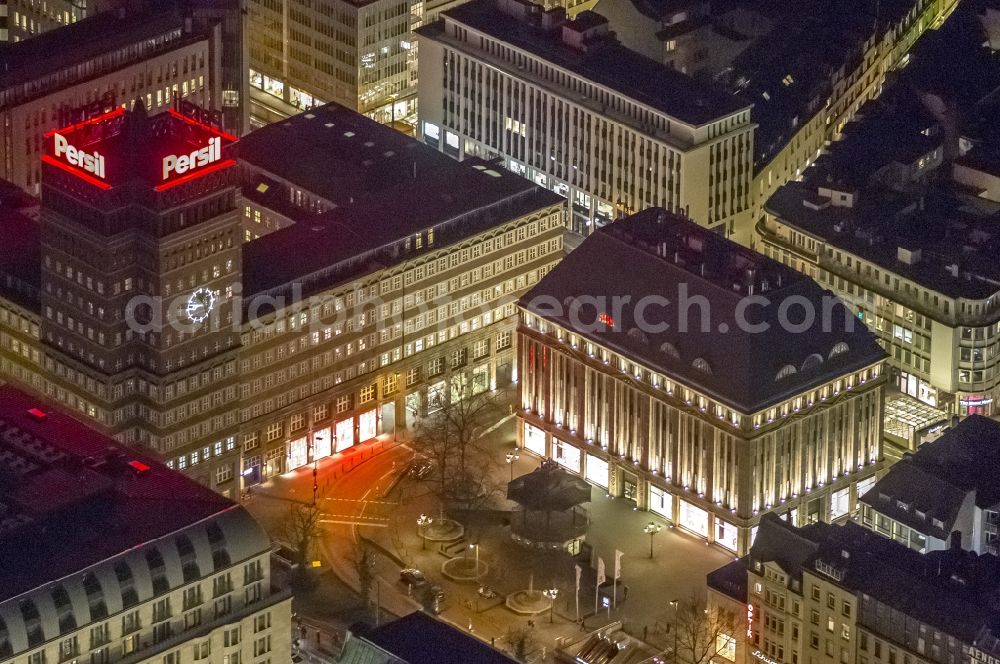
676	605
476	547
511	457
422	522
551	593
651	529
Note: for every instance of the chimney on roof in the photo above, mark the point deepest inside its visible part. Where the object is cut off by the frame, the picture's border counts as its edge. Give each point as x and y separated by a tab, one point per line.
908	256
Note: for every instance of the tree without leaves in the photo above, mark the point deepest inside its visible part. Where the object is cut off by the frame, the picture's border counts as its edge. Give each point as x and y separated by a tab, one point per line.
301	529
702	631
521	641
364	565
448	436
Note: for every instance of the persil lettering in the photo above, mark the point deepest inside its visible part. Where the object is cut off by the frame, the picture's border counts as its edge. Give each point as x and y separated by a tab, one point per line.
91	162
180	164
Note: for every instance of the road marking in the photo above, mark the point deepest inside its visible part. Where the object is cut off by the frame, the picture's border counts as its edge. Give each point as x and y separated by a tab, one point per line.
346	522
363	501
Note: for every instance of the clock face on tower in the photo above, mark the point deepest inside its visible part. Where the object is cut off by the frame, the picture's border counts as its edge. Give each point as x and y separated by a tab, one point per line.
200	304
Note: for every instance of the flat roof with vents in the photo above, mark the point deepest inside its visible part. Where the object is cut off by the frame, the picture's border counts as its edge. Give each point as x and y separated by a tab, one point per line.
383	187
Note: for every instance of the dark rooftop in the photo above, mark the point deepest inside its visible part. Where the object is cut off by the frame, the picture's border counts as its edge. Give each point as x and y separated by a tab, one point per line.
386	187
948	233
656	254
20	257
421	639
952	590
605	61
69	498
890	156
937	477
67	47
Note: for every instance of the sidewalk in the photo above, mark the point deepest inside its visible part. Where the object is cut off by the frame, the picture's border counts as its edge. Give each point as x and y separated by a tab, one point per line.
677	569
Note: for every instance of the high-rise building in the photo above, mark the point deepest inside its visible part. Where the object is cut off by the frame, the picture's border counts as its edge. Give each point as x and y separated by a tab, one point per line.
829	594
563	104
122	231
388	276
663	363
358	53
108	556
23	19
92	67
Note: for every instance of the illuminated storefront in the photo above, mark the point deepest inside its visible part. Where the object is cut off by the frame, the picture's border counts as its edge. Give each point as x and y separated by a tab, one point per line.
693	518
271	86
298	453
597	471
322	443
726	534
566	455
534	439
840	503
975	404
661	502
345	434
367	425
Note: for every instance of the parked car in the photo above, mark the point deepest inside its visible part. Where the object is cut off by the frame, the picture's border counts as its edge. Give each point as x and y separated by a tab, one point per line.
420	468
412	577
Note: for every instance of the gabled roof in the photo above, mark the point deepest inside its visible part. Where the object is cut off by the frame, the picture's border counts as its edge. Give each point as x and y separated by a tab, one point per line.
939	476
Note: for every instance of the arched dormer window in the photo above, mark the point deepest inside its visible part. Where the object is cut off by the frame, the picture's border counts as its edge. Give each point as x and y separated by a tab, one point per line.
701	365
669	350
813	360
839	349
785	372
638	335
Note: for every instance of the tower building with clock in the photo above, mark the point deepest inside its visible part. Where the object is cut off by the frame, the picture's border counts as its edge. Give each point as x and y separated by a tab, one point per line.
139	257
244	315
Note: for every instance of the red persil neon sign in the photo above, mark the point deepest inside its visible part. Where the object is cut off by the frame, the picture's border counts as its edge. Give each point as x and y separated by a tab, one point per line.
95	158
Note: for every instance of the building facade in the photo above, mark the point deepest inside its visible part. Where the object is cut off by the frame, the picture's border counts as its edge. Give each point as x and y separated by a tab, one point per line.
804	133
944	495
92	67
890	227
563	104
842	594
256	358
111	557
360	54
23	19
706	421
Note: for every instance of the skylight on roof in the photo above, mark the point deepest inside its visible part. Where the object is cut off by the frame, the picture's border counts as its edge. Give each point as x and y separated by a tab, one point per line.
310	116
262	188
349	134
327	124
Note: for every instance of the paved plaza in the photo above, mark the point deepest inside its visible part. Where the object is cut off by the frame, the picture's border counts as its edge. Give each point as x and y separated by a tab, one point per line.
372	503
